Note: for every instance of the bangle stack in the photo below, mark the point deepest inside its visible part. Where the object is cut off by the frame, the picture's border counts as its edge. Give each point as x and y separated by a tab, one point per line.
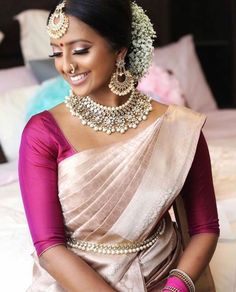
184	277
172	289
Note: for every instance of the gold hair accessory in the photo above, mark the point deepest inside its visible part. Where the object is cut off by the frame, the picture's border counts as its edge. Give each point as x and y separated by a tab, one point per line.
121	87
72	71
58	23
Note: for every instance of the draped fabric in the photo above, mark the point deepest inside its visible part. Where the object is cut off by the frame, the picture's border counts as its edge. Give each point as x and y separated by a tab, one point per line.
121	193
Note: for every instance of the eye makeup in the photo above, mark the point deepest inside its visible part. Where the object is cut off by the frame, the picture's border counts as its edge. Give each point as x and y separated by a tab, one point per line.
56	54
74	52
80	51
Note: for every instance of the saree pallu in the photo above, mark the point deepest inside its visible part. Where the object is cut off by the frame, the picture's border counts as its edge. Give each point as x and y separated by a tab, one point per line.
121	193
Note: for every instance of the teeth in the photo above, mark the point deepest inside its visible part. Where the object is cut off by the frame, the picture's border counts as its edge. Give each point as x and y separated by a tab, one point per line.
78	77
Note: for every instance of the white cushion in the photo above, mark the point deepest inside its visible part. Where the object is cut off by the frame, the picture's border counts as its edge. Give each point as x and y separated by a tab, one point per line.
8	172
16	77
182	60
12	119
34	38
162	86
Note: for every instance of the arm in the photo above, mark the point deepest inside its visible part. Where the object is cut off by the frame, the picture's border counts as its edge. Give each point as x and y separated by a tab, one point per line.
200	205
198	254
72	272
38	182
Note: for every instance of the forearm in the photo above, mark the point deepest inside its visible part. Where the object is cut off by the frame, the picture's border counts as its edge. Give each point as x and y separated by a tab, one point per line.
71	272
198	254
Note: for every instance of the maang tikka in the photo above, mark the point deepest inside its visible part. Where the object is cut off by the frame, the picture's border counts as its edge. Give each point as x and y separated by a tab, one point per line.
58	23
124	86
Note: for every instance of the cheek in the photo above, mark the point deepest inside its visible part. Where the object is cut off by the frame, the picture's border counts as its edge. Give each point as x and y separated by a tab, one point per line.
103	62
105	68
58	65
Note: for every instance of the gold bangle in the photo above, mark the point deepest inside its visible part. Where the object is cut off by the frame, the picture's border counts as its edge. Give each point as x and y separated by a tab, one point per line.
184	277
172	289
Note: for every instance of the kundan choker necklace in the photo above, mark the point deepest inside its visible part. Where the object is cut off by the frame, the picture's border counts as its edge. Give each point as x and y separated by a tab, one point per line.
110	119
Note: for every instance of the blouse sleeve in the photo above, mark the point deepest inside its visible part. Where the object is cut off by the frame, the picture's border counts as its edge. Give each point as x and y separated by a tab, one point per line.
198	193
38	183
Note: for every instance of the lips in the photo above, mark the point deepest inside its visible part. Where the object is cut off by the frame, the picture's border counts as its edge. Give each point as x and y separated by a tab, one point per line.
78	79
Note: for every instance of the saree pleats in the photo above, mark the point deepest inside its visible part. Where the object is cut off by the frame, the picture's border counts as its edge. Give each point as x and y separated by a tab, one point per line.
122	192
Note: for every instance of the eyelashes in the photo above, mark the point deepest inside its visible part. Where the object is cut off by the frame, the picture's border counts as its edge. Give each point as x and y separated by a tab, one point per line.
75	52
80	51
55	55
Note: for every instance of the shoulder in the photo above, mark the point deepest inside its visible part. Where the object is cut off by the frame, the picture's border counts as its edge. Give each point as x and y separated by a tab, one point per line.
45	120
58	111
38	134
176	110
158	109
37	123
186	112
182	113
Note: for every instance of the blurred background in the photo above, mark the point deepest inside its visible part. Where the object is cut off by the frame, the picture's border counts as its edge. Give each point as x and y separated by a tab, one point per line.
194	65
212	23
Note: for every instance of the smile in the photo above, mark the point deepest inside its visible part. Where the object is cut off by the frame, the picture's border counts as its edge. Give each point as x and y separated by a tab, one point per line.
78	79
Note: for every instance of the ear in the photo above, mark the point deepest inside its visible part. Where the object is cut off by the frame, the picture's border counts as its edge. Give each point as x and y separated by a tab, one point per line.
121	53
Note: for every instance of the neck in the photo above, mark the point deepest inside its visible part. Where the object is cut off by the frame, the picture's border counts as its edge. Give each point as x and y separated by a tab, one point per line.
110	99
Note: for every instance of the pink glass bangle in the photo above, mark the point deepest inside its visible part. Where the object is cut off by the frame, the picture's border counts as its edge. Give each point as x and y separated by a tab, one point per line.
175	283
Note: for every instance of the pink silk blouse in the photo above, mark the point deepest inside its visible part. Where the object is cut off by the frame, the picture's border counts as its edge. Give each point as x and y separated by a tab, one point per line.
43	146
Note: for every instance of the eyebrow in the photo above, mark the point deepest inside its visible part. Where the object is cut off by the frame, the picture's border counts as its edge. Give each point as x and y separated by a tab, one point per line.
71	42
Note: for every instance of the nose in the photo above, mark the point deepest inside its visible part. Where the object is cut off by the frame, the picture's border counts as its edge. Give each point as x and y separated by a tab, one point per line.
69	66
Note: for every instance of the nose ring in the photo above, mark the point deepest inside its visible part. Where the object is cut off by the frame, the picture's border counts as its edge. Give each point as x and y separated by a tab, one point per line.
72	71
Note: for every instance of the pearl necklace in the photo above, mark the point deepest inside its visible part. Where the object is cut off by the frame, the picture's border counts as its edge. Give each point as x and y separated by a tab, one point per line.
110	119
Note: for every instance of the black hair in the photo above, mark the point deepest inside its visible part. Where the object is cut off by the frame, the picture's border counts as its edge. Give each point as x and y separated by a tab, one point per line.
112	19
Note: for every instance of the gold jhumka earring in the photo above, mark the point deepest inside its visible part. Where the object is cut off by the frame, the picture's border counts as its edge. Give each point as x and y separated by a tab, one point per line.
122	81
58	23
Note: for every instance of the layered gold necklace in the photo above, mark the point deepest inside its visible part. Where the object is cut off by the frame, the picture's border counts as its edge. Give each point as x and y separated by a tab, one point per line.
110	119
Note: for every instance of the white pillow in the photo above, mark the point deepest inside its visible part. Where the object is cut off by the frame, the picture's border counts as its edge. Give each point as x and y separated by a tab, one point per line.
8	172
16	77
13	106
1	36
34	38
162	86
182	60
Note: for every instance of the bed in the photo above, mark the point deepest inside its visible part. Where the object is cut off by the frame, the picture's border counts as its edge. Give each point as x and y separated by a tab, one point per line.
21	80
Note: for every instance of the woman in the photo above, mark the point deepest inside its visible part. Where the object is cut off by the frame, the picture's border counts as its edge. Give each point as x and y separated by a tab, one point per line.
98	179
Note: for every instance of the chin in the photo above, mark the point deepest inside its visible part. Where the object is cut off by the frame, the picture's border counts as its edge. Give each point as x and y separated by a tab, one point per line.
80	92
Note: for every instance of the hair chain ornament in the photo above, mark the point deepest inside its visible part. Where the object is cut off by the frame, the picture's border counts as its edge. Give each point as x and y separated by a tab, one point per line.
121	87
58	23
110	119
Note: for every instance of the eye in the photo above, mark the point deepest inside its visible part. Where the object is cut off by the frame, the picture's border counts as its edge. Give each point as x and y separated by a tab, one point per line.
55	54
80	51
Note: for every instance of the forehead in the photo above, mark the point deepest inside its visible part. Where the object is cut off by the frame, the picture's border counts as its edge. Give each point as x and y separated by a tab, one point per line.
78	30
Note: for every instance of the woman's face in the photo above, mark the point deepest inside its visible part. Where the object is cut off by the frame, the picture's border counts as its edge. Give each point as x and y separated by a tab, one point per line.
90	54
